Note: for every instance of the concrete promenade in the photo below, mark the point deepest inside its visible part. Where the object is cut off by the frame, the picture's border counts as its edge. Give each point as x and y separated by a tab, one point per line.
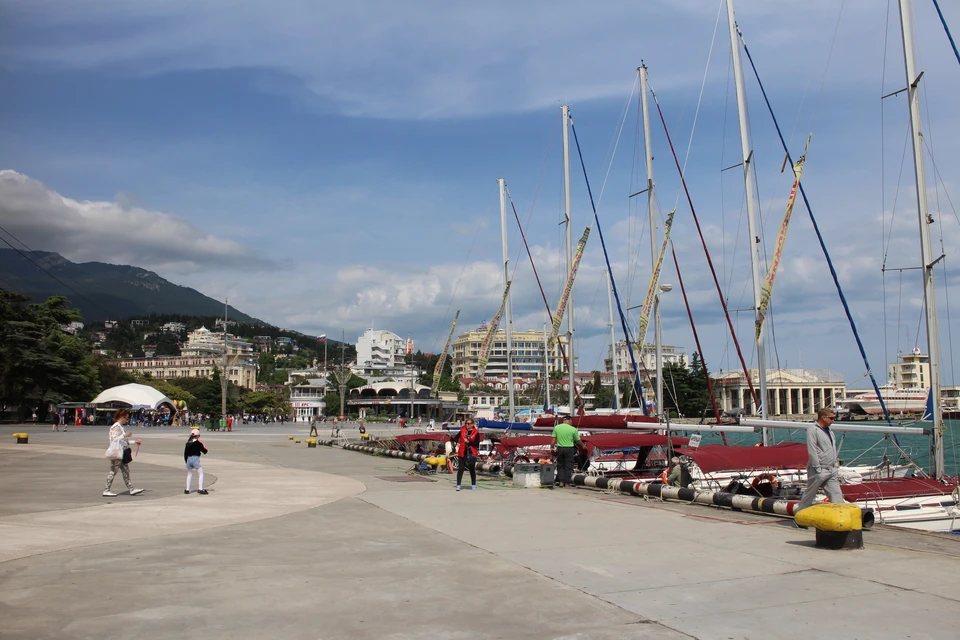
322	543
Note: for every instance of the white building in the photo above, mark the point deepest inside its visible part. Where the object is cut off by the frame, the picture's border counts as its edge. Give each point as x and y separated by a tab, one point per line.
912	371
669	354
789	391
307	398
174	327
381	354
527	350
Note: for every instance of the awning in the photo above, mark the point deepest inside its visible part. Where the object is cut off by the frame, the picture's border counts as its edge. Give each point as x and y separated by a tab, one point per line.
716	457
413	437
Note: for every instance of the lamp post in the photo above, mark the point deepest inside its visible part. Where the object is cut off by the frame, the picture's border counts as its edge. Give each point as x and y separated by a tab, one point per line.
664	288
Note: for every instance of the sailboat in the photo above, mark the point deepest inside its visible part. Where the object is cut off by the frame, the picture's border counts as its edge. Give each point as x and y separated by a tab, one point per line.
929	502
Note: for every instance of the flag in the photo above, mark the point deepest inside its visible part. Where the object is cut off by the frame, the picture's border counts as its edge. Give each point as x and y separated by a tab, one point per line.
322	338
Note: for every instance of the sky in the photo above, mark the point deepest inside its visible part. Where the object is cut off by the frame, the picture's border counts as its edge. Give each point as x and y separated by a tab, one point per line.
331	167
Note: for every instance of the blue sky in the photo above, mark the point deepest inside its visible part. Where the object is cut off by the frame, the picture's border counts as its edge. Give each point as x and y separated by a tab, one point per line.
332	166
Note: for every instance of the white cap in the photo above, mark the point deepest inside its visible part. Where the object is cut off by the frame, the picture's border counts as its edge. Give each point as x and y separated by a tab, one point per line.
674	459
194	432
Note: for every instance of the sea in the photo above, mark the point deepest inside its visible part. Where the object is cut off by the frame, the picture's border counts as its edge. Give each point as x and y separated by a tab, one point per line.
869	448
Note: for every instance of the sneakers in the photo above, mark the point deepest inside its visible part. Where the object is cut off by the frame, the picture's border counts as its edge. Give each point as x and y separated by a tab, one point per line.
203	492
109	494
458	488
473	488
136	492
186	492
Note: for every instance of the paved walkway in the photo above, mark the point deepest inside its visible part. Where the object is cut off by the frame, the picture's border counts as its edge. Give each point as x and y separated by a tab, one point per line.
323	543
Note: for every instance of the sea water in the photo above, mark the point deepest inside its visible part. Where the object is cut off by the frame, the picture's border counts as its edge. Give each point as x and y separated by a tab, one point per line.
868	448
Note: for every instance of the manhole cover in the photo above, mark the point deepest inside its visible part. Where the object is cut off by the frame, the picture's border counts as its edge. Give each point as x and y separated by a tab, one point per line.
404	478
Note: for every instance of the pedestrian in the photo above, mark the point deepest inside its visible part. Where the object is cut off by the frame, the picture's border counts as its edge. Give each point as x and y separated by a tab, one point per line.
679	475
119	460
566	440
313	427
822	466
468	446
191	455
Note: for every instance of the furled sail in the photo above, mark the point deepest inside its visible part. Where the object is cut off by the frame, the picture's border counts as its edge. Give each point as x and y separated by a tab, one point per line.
438	370
565	296
485	346
766	288
654	283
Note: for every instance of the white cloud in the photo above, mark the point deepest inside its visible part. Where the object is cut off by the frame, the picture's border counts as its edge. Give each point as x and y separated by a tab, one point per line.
113	232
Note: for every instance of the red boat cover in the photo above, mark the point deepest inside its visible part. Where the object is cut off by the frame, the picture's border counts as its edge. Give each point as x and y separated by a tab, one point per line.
717	457
413	437
525	441
618	421
897	488
608	441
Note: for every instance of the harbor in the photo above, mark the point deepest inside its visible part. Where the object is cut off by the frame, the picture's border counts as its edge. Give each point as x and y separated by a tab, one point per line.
299	542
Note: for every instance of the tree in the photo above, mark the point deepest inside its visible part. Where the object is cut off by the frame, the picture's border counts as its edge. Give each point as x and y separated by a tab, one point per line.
40	364
172	391
685	390
167	344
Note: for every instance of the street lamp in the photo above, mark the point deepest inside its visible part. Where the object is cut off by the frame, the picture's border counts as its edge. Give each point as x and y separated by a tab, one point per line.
658	339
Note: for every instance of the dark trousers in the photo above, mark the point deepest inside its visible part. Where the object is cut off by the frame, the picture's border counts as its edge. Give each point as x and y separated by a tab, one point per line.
469	463
565	458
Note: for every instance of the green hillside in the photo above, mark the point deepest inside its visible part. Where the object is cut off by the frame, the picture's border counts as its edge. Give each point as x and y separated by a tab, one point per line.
105	291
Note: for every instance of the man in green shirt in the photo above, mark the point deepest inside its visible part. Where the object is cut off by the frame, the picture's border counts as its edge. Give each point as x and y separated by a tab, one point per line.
566	439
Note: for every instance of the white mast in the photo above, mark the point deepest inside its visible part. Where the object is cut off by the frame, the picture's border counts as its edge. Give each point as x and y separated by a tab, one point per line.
926	252
546	365
747	151
613	344
571	360
508	322
654	240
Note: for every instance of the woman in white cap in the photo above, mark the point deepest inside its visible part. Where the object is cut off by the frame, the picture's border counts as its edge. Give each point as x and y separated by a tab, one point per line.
191	454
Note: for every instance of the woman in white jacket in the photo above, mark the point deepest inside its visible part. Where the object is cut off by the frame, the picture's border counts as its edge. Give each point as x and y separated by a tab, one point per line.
119	434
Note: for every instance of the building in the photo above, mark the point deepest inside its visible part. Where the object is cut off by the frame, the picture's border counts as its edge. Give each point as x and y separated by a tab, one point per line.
528	354
203	352
307	398
263	344
790	391
72	327
912	371
646	360
381	354
174	327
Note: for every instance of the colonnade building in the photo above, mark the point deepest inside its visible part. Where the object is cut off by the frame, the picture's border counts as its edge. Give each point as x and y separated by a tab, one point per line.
789	391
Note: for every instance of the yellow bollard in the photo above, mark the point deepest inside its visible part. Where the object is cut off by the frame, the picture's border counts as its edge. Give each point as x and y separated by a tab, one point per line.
297	440
290	437
838	525
311	443
21	437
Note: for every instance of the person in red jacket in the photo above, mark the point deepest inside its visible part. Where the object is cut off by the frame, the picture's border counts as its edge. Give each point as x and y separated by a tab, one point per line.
468	447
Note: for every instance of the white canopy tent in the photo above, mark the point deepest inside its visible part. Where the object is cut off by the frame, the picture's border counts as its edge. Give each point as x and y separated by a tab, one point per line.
135	395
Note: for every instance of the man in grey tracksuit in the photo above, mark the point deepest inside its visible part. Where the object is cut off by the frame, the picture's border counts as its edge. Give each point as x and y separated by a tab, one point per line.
821	461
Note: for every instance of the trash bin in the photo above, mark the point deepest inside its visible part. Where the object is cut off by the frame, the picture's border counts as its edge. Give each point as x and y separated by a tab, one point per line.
548	474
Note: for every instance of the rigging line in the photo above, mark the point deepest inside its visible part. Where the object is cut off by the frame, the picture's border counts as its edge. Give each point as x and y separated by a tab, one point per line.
563	352
696	339
816	228
616	145
703	241
703	85
613	284
947	30
946	193
29	259
453	295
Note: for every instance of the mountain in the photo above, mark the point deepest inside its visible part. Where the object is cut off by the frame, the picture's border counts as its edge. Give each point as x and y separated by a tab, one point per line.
104	291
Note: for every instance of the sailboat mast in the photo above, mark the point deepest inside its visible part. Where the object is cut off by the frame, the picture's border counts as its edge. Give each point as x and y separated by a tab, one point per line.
926	252
571	359
747	152
613	345
546	366
508	321
654	239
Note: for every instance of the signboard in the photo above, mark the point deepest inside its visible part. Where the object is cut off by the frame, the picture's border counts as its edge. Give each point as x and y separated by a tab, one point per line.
695	441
